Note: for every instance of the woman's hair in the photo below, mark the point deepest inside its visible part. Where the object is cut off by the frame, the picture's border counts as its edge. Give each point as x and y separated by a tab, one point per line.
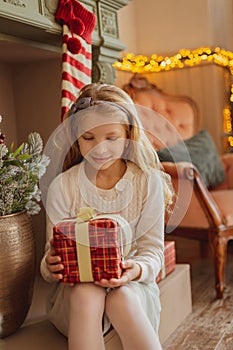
140	150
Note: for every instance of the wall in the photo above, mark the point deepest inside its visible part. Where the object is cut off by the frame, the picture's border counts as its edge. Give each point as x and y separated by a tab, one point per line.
7	104
37	94
127	22
37	97
167	26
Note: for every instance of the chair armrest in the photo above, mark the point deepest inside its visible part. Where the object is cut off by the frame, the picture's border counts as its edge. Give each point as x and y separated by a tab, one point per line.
227	160
179	170
187	171
206	201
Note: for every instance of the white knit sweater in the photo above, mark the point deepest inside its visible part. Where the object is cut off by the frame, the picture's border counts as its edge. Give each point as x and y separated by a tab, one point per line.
136	197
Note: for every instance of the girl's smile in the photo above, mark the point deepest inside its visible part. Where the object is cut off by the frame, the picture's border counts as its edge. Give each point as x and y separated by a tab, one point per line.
101	160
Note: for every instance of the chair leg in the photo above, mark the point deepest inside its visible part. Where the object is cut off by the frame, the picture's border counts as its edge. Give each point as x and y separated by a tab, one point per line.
219	249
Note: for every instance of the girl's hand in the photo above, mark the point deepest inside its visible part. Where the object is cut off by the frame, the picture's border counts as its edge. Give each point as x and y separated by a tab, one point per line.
54	264
131	271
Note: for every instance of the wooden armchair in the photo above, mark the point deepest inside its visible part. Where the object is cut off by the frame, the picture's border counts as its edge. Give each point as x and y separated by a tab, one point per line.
199	212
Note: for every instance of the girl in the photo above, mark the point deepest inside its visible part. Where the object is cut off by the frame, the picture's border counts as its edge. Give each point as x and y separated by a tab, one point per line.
116	171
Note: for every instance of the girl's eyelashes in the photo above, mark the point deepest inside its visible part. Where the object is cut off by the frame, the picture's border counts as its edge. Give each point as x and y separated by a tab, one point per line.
110	138
113	138
87	137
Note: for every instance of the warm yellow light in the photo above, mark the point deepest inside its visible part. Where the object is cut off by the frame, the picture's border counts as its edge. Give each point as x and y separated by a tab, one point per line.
183	58
187	57
230	140
227	120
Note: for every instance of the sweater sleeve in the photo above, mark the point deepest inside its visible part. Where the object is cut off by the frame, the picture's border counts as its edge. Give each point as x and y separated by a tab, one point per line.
150	231
58	206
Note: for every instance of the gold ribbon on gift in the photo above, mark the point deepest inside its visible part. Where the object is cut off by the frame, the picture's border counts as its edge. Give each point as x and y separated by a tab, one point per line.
83	244
163	272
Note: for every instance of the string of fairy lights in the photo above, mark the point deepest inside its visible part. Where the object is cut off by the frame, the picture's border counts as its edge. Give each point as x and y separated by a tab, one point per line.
185	58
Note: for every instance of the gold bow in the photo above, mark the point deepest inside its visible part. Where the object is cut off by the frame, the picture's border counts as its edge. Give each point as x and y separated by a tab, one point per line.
85	214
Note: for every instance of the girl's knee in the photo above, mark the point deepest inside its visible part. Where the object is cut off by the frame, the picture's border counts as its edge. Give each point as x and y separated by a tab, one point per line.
86	294
121	298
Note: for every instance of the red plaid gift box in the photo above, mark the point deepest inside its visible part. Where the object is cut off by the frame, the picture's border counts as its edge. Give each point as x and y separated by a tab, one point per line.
90	249
169	260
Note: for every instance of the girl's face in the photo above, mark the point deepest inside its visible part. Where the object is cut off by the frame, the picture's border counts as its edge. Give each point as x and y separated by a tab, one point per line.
102	145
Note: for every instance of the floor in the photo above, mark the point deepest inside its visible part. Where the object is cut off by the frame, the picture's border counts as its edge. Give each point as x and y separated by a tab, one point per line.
210	326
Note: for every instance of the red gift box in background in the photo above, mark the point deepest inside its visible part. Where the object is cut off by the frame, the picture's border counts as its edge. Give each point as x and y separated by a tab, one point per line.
169	260
104	247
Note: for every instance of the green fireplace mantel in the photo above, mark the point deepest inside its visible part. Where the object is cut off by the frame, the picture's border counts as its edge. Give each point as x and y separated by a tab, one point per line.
35	20
106	42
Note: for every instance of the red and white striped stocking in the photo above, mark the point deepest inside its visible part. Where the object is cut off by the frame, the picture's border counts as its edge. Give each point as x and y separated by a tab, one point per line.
78	24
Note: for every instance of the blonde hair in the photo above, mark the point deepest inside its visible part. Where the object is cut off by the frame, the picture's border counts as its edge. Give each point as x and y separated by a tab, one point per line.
140	150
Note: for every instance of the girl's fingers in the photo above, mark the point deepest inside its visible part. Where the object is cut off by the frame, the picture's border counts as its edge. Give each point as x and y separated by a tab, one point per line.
132	271
128	264
106	283
54	264
68	284
56	268
113	282
52	259
57	276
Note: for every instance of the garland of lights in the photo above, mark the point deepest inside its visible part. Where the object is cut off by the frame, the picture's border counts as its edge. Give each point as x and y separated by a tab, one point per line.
184	58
